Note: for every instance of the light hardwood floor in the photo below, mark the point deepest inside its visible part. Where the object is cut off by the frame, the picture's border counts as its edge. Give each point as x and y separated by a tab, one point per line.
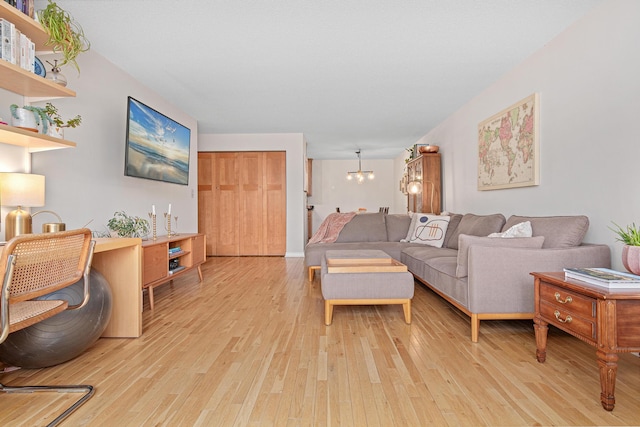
249	346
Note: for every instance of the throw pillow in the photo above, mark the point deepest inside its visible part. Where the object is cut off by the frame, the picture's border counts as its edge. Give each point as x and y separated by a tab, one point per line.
428	229
465	241
522	229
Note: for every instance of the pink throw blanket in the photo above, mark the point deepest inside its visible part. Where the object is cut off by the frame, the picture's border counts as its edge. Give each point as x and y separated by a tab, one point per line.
331	227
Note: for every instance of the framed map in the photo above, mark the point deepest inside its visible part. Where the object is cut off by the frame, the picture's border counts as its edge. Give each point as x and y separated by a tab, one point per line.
508	147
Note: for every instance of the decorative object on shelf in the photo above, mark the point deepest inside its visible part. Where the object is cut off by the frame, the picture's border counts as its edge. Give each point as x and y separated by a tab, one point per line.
403	183
65	34
152	216
508	154
21	190
38	68
57	124
167	227
52	227
128	226
630	236
428	149
30	118
55	75
410	150
359	174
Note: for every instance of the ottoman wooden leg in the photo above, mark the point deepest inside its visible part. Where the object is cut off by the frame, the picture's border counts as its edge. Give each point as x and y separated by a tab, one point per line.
312	270
328	312
407	311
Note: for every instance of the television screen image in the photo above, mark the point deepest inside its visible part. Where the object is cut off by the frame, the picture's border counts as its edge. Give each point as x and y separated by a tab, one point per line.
157	147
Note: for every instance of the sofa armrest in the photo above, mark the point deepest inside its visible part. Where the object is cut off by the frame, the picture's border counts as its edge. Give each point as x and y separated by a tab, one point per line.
499	278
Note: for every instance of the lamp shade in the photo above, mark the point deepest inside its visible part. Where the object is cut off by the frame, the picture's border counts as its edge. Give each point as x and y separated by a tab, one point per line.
21	189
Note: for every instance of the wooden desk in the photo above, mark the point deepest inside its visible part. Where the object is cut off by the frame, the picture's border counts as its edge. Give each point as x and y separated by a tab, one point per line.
119	260
605	318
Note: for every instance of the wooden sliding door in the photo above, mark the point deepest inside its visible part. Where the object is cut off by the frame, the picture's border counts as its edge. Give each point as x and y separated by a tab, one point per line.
242	202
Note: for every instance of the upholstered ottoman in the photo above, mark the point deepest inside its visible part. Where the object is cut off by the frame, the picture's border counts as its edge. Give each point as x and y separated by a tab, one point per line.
364	277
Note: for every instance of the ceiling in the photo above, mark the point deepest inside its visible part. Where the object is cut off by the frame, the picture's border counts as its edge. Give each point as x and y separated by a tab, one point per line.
370	74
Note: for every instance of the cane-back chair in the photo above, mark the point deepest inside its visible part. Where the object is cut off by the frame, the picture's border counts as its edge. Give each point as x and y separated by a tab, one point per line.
34	265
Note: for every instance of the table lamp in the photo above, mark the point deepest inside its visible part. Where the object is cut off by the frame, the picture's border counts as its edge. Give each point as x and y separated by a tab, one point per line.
21	190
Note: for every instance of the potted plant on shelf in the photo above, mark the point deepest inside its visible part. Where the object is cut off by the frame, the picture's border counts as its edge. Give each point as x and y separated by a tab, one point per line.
57	124
123	225
630	236
30	118
65	34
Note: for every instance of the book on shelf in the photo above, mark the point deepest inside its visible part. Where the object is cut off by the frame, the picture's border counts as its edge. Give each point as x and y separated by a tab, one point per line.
178	268
603	277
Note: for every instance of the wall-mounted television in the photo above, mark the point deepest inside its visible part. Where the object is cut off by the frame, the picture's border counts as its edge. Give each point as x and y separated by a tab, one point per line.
157	147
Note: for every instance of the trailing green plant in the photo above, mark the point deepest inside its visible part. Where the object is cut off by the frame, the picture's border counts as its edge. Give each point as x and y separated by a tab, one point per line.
65	34
629	236
56	119
39	113
128	226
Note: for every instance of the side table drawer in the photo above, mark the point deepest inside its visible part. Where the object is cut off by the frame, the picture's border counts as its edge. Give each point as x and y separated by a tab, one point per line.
569	321
568	301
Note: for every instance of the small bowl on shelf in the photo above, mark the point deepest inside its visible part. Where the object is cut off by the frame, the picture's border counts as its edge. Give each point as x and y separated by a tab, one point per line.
428	149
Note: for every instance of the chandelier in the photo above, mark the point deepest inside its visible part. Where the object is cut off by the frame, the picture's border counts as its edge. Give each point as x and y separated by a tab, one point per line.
359	174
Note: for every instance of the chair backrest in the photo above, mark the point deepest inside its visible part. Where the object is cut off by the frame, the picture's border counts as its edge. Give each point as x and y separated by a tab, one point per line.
45	262
384	209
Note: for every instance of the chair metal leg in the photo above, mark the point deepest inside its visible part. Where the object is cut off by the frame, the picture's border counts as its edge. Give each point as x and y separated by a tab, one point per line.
87	389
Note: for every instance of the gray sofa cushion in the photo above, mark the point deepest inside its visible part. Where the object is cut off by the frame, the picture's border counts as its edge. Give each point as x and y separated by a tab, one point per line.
476	225
465	241
364	227
558	231
397	226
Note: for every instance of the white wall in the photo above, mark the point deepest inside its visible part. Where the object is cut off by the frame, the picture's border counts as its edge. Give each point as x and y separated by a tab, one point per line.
87	183
588	79
295	147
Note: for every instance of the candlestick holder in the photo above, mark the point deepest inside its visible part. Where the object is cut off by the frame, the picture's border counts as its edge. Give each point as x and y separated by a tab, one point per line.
168	225
153	225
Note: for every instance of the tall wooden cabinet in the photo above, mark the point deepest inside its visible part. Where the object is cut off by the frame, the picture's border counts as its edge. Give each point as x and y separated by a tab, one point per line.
426	169
242	202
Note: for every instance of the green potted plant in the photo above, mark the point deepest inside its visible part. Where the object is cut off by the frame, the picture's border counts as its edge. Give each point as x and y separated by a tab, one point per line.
57	123
124	225
630	236
29	117
65	34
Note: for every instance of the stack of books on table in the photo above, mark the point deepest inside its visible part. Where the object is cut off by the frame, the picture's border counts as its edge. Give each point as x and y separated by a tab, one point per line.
174	251
603	277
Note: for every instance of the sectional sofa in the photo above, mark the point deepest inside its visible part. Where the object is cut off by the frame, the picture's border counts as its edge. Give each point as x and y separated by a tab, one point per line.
484	277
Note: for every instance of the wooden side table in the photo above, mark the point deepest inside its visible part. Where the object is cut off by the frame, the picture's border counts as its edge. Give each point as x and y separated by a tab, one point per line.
608	319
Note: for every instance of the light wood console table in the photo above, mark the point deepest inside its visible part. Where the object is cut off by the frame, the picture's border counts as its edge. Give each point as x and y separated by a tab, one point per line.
119	260
603	317
156	256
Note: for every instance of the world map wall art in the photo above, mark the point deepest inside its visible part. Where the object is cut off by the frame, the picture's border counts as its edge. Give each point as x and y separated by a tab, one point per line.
508	152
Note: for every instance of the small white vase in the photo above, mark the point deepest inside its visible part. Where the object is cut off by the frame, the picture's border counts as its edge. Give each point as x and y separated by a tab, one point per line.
25	120
631	258
55	132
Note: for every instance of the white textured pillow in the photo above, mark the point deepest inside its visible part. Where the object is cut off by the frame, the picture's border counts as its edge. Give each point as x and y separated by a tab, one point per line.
428	229
465	241
522	229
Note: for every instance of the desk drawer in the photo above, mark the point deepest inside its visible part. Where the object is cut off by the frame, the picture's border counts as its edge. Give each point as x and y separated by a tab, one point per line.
567	301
